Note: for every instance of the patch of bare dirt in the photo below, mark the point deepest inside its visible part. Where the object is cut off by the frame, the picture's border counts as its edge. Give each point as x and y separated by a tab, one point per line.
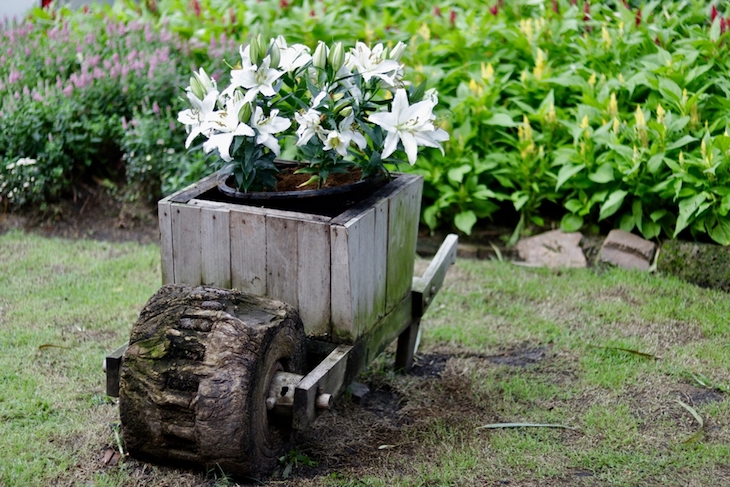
95	213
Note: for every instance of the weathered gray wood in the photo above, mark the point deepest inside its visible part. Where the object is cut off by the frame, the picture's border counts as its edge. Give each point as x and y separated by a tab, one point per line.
282	259
216	247
362	264
186	244
164	212
326	378
256	210
403	212
248	251
343	326
426	286
196	375
196	189
314	271
380	265
112	366
407	341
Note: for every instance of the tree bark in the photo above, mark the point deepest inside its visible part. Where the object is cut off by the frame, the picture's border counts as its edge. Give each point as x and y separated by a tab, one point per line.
195	378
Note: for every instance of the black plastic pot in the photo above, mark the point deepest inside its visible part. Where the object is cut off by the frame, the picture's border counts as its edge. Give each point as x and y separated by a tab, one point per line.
326	201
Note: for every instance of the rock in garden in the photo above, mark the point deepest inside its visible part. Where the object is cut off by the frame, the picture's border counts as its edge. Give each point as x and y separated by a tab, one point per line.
552	249
626	250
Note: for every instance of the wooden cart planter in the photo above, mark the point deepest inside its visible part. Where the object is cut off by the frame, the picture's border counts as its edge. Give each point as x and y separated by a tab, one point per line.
217	376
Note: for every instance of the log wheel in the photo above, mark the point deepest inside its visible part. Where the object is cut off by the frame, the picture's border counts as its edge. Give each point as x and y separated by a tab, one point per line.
208	378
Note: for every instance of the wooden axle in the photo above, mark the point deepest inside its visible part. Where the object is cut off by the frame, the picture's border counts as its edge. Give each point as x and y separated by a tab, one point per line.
280	399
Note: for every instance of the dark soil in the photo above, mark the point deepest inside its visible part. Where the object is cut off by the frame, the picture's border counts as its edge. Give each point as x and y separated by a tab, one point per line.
95	213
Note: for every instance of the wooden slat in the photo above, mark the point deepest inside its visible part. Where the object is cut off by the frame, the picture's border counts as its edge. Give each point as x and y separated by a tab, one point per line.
216	247
282	264
248	251
342	308
425	287
195	189
186	244
403	213
314	278
380	264
164	212
293	215
362	275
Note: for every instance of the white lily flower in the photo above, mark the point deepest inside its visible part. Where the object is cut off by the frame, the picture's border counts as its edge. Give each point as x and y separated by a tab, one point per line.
340	139
200	112
372	63
267	127
292	57
309	126
411	124
255	79
223	126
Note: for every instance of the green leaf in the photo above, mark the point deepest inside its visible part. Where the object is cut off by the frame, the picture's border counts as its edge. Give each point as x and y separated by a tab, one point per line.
604	174
566	172
612	204
715	30
456	174
670	89
681	142
571	222
687	208
724	205
501	120
657	215
650	229
720	233
573	206
519	201
465	221
627	223
655	162
429	216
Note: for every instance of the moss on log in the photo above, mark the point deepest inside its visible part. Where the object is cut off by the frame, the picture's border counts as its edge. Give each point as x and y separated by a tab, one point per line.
706	265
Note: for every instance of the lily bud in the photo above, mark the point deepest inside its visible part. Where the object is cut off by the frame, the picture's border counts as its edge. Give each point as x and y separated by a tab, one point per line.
398	51
274	55
336	56
253	52
204	81
346	112
319	59
244	115
196	88
261	47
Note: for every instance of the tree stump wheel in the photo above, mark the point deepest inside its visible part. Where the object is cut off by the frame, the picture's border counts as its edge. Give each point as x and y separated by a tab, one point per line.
195	379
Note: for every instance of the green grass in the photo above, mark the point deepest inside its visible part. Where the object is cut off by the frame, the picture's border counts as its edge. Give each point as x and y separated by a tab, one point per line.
65	304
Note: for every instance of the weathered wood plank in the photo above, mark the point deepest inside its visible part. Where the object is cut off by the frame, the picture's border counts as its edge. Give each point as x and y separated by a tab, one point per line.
314	287
282	259
425	287
186	244
167	263
342	294
248	251
403	213
362	276
216	247
195	189
256	210
380	264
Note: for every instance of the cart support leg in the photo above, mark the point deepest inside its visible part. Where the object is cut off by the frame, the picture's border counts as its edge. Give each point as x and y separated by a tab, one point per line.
407	347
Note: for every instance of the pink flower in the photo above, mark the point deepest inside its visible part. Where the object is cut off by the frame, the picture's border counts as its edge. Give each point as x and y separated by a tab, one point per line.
493	10
196	7
452	18
637	20
556	9
436	11
713	13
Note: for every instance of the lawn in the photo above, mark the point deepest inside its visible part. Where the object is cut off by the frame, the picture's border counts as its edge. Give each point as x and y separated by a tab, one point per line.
621	360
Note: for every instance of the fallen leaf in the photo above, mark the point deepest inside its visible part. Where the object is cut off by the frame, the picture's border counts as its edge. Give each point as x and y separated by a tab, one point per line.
524	425
386	447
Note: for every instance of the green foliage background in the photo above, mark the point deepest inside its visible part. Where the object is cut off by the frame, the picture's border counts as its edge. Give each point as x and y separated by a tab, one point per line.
606	114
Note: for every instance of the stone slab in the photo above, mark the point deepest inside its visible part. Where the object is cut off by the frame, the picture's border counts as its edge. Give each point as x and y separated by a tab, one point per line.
628	251
552	249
